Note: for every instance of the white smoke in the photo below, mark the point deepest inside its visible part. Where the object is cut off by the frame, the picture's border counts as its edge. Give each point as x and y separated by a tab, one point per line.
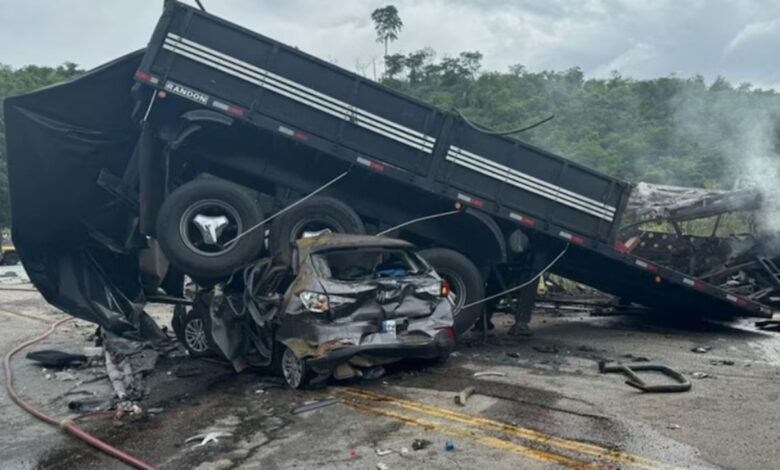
743	127
758	165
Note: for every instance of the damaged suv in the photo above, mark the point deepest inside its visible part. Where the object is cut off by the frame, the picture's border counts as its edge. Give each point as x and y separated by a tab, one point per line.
345	305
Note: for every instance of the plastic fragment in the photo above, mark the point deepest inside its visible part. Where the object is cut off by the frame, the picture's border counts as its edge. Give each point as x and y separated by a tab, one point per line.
489	373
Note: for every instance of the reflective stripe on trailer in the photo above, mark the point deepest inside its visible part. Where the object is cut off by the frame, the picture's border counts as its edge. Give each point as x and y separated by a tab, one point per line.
644	264
576	239
523	219
471	200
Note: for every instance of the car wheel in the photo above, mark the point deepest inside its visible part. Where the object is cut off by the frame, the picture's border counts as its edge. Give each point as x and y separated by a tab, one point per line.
193	330
317	215
197	222
293	370
10	258
466	285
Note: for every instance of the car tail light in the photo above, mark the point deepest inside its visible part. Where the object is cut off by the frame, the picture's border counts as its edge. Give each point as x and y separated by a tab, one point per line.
445	288
449	330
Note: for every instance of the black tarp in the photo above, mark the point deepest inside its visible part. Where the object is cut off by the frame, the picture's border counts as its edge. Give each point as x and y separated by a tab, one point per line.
72	234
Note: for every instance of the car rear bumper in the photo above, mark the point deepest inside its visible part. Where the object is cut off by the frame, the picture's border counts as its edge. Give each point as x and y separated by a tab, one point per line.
438	346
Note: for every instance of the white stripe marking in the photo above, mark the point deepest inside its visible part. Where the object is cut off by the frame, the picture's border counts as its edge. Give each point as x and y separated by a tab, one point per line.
298	92
542	192
528	179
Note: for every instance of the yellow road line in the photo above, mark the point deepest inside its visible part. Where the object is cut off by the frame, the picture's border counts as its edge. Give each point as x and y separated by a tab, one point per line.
517	431
481	438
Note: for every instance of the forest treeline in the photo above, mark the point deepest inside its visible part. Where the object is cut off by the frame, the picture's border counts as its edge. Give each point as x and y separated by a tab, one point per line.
671	130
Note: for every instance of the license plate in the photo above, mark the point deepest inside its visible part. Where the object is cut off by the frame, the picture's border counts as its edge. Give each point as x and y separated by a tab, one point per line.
389	326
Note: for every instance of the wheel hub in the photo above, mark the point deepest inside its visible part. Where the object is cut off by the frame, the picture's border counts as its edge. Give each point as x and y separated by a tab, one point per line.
195	336
210	227
292	369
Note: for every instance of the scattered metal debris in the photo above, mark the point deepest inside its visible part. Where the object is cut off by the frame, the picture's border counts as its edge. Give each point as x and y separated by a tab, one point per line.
54	358
187	370
630	370
701	375
205	438
313	406
382	466
489	373
420	444
722	362
65	376
463	396
546	349
770	325
383	452
674	426
701	349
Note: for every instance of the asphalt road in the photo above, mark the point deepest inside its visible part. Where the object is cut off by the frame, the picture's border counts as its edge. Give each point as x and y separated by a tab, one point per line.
547	408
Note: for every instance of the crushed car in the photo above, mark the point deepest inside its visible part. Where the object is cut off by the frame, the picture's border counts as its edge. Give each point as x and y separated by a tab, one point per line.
343	307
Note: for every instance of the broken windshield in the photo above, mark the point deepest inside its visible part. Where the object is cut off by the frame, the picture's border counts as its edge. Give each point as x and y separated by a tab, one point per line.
352	265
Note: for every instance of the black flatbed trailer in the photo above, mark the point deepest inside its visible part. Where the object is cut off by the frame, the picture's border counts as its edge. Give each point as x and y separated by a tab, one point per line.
248	77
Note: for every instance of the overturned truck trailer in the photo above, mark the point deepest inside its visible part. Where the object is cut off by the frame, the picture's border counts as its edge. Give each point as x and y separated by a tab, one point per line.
158	164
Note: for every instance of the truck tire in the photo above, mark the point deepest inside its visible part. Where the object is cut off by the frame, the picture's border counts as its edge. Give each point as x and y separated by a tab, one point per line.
197	250
462	275
317	214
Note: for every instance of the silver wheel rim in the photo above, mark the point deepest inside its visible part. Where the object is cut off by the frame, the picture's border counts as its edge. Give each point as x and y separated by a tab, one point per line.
192	237
457	289
195	336
292	369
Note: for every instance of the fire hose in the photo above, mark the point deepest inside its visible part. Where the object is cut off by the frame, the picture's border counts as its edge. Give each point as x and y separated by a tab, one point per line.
67	425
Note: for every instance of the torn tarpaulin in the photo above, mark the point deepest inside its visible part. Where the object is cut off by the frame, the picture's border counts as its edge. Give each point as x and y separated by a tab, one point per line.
76	239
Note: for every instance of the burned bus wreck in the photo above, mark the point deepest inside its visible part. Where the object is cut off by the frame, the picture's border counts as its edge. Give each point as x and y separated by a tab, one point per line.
714	236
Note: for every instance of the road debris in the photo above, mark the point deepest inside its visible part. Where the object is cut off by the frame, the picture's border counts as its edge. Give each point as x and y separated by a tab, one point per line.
630	370
449	446
463	396
383	452
420	444
701	375
489	373
54	358
674	426
65	376
701	349
722	362
187	370
306	407
546	349
205	438
382	466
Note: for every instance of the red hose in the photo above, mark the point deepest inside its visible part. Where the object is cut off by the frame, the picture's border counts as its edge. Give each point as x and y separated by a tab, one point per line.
67	425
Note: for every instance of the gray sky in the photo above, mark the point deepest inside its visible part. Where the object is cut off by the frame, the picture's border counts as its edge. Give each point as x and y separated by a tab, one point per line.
739	39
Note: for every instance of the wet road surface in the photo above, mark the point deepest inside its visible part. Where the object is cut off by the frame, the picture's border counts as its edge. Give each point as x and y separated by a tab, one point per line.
550	408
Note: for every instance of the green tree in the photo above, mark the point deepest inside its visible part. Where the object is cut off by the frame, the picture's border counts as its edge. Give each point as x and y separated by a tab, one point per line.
387	24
